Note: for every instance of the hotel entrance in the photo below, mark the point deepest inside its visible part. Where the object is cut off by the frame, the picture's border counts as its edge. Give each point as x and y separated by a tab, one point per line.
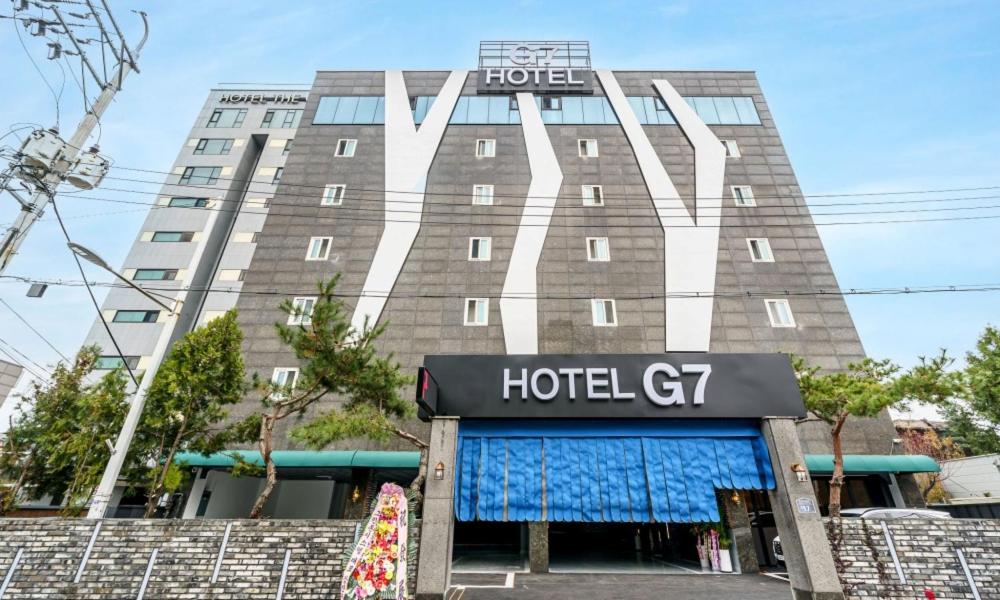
620	464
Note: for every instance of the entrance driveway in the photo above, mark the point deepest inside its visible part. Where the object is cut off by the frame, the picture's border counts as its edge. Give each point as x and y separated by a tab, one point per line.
600	586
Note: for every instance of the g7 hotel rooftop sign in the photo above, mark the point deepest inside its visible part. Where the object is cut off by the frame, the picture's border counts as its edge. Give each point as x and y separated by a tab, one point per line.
540	67
610	386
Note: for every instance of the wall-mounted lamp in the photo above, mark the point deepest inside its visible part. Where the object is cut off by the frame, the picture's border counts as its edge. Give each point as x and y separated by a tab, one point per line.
735	498
800	471
439	471
356	494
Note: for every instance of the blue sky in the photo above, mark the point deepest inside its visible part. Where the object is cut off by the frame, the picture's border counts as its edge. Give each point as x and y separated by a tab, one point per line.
868	96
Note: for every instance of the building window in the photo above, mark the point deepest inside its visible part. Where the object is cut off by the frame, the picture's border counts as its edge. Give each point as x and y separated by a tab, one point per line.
486	148
346	148
155	274
603	312
172	236
200	175
281	119
512	105
210	146
277	175
780	313
588	148
479	248
188	202
593	195
136	316
302	309
732	149
288	147
284	377
232	274
743	195
227	117
108	363
760	250
482	194
477	311
333	195
319	248
598	249
551	103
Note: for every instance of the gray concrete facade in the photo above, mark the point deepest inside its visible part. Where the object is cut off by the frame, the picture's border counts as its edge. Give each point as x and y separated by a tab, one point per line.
425	307
244	184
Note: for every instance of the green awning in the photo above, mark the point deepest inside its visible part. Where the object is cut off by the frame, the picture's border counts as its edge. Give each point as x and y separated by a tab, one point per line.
822	464
305	458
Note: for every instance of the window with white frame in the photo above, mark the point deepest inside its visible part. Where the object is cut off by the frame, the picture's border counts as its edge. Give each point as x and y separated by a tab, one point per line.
232	274
780	313
732	148
479	248
760	250
345	148
593	195
333	195
588	148
743	195
603	312
486	148
598	249
284	377
302	308
319	248
482	194
477	311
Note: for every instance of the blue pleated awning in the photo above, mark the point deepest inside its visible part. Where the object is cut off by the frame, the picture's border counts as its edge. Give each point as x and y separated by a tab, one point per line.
605	472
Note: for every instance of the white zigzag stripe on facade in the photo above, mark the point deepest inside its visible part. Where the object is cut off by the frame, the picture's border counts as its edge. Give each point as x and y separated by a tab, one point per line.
408	156
518	300
690	245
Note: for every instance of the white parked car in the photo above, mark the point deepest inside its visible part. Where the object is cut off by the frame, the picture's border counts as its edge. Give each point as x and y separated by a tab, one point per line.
872	514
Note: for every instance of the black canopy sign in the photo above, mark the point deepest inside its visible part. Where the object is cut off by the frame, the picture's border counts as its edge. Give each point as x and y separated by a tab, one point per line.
609	386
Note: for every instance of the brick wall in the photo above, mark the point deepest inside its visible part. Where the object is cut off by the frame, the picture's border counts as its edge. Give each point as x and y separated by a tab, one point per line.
53	549
928	555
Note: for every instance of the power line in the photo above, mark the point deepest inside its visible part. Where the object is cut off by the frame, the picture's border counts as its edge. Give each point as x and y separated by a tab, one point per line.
520	196
93	299
27	358
591	211
480	223
876	291
38	333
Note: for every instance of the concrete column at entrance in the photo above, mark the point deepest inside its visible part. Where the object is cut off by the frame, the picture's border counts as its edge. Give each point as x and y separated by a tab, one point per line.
803	537
739	523
434	566
909	489
538	547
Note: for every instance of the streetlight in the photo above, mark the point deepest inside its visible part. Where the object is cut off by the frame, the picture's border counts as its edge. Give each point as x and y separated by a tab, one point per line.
102	496
92	257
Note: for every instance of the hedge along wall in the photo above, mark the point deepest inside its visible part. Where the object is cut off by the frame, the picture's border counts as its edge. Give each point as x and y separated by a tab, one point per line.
929	554
50	552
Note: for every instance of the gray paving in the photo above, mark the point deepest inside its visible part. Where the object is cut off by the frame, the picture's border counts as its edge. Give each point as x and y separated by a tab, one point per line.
594	586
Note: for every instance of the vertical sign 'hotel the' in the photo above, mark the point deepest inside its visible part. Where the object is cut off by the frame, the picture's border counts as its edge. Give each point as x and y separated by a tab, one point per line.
594	271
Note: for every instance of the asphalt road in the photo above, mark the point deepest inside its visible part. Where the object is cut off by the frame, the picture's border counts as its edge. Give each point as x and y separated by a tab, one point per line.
596	586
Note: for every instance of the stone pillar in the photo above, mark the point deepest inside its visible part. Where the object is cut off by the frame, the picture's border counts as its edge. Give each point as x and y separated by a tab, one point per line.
909	489
739	524
538	547
806	548
194	494
434	566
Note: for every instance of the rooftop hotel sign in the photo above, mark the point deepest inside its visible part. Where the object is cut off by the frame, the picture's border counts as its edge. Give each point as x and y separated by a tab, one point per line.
538	67
609	386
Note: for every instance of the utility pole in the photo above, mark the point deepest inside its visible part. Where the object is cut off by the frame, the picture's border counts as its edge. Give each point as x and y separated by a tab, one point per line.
46	180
